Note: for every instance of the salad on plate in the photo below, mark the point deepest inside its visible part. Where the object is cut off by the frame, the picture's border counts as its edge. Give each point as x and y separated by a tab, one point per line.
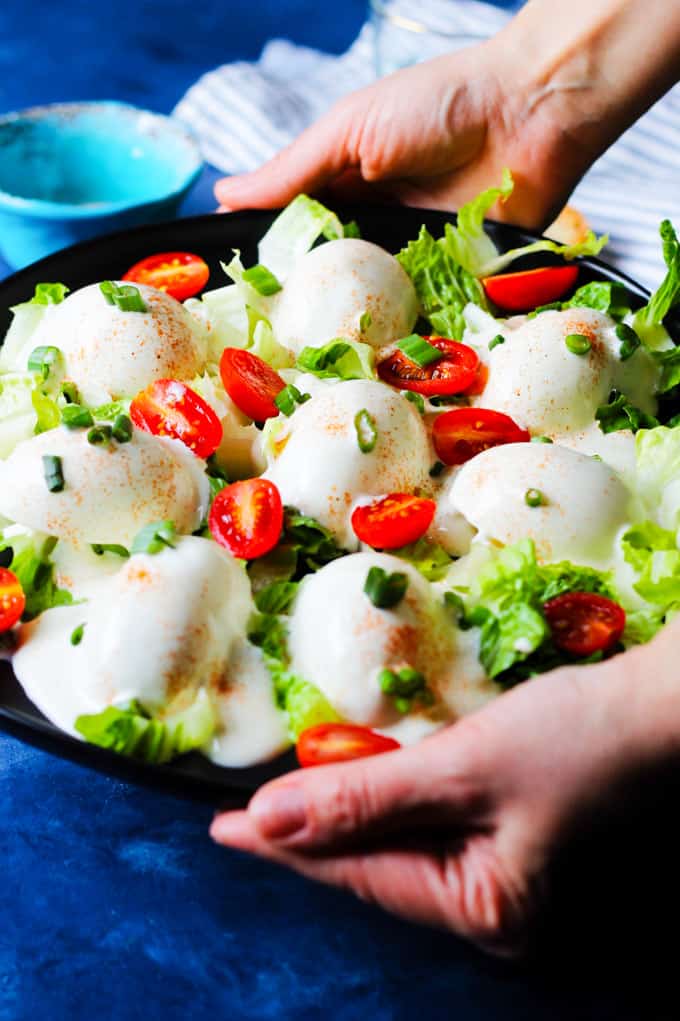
338	501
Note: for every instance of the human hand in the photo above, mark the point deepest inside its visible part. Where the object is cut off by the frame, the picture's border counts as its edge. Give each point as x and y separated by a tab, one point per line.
546	96
459	831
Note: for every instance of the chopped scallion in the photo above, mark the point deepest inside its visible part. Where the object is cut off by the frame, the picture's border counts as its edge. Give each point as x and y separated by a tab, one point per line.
365	321
287	399
534	498
54	475
100	548
77	634
385	590
155	537
436	469
43	359
419	350
126	297
578	343
69	392
367	431
100	434
416	399
122	429
541	439
74	416
498	339
262	280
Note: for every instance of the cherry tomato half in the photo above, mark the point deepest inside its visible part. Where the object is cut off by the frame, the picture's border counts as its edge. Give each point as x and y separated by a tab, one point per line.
251	383
179	274
454	372
394	520
583	623
12	599
461	433
247	518
524	291
340	742
171	408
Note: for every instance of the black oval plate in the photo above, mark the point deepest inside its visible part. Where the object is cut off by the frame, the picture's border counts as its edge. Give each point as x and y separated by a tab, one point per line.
212	237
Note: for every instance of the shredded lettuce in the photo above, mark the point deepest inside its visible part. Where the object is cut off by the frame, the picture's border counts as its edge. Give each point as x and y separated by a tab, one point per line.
653	553
443	286
130	730
657	474
506	603
428	557
591	245
17	413
620	413
26	318
31	563
294	232
611	298
648	321
339	359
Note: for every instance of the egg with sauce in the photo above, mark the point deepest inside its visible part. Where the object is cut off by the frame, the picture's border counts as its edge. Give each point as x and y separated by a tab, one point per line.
339	641
319	468
345	288
110	353
110	491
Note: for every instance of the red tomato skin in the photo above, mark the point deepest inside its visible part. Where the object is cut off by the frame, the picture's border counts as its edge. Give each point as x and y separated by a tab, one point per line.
583	623
251	383
247	518
340	742
452	374
526	290
462	433
170	408
393	521
12	599
179	274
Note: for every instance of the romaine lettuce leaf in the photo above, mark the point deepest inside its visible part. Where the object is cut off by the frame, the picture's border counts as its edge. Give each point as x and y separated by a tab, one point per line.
467	243
591	245
620	413
31	563
294	232
17	413
611	298
657	474
130	730
428	557
648	321
653	553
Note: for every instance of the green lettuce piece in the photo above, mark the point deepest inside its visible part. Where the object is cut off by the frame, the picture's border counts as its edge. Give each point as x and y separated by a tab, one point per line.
648	321
428	557
507	605
443	287
611	298
669	363
130	730
467	243
294	232
17	413
652	551
620	413
339	359
591	245
25	320
48	415
32	565
277	597
657	474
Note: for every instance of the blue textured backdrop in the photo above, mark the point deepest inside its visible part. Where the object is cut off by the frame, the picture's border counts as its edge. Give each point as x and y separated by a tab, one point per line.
113	902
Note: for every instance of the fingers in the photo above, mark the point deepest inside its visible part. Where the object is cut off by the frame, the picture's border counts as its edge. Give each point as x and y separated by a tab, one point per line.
458	889
320	154
330	805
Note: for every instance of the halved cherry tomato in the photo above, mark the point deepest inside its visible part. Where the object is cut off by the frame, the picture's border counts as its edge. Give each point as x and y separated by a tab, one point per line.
12	599
454	372
461	433
340	742
394	520
179	274
583	623
480	382
247	518
524	291
251	383
171	408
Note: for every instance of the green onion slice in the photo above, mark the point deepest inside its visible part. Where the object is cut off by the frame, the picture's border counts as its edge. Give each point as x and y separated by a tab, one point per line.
385	590
43	359
534	498
122	429
577	343
541	439
262	280
414	398
125	296
77	634
287	399
74	416
99	435
54	475
69	392
367	431
498	339
419	350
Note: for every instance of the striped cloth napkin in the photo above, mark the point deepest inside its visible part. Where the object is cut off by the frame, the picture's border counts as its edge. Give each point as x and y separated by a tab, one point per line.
243	113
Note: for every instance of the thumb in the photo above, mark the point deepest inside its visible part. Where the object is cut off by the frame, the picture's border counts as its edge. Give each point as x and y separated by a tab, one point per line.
317	156
425	785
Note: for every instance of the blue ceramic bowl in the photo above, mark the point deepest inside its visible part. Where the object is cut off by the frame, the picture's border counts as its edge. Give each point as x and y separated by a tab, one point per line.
73	170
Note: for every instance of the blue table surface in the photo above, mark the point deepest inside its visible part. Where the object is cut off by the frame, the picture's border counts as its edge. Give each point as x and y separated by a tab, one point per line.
114	903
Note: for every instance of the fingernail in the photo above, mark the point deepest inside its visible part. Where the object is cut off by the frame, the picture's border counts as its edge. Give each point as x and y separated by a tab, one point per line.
279	812
227	827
